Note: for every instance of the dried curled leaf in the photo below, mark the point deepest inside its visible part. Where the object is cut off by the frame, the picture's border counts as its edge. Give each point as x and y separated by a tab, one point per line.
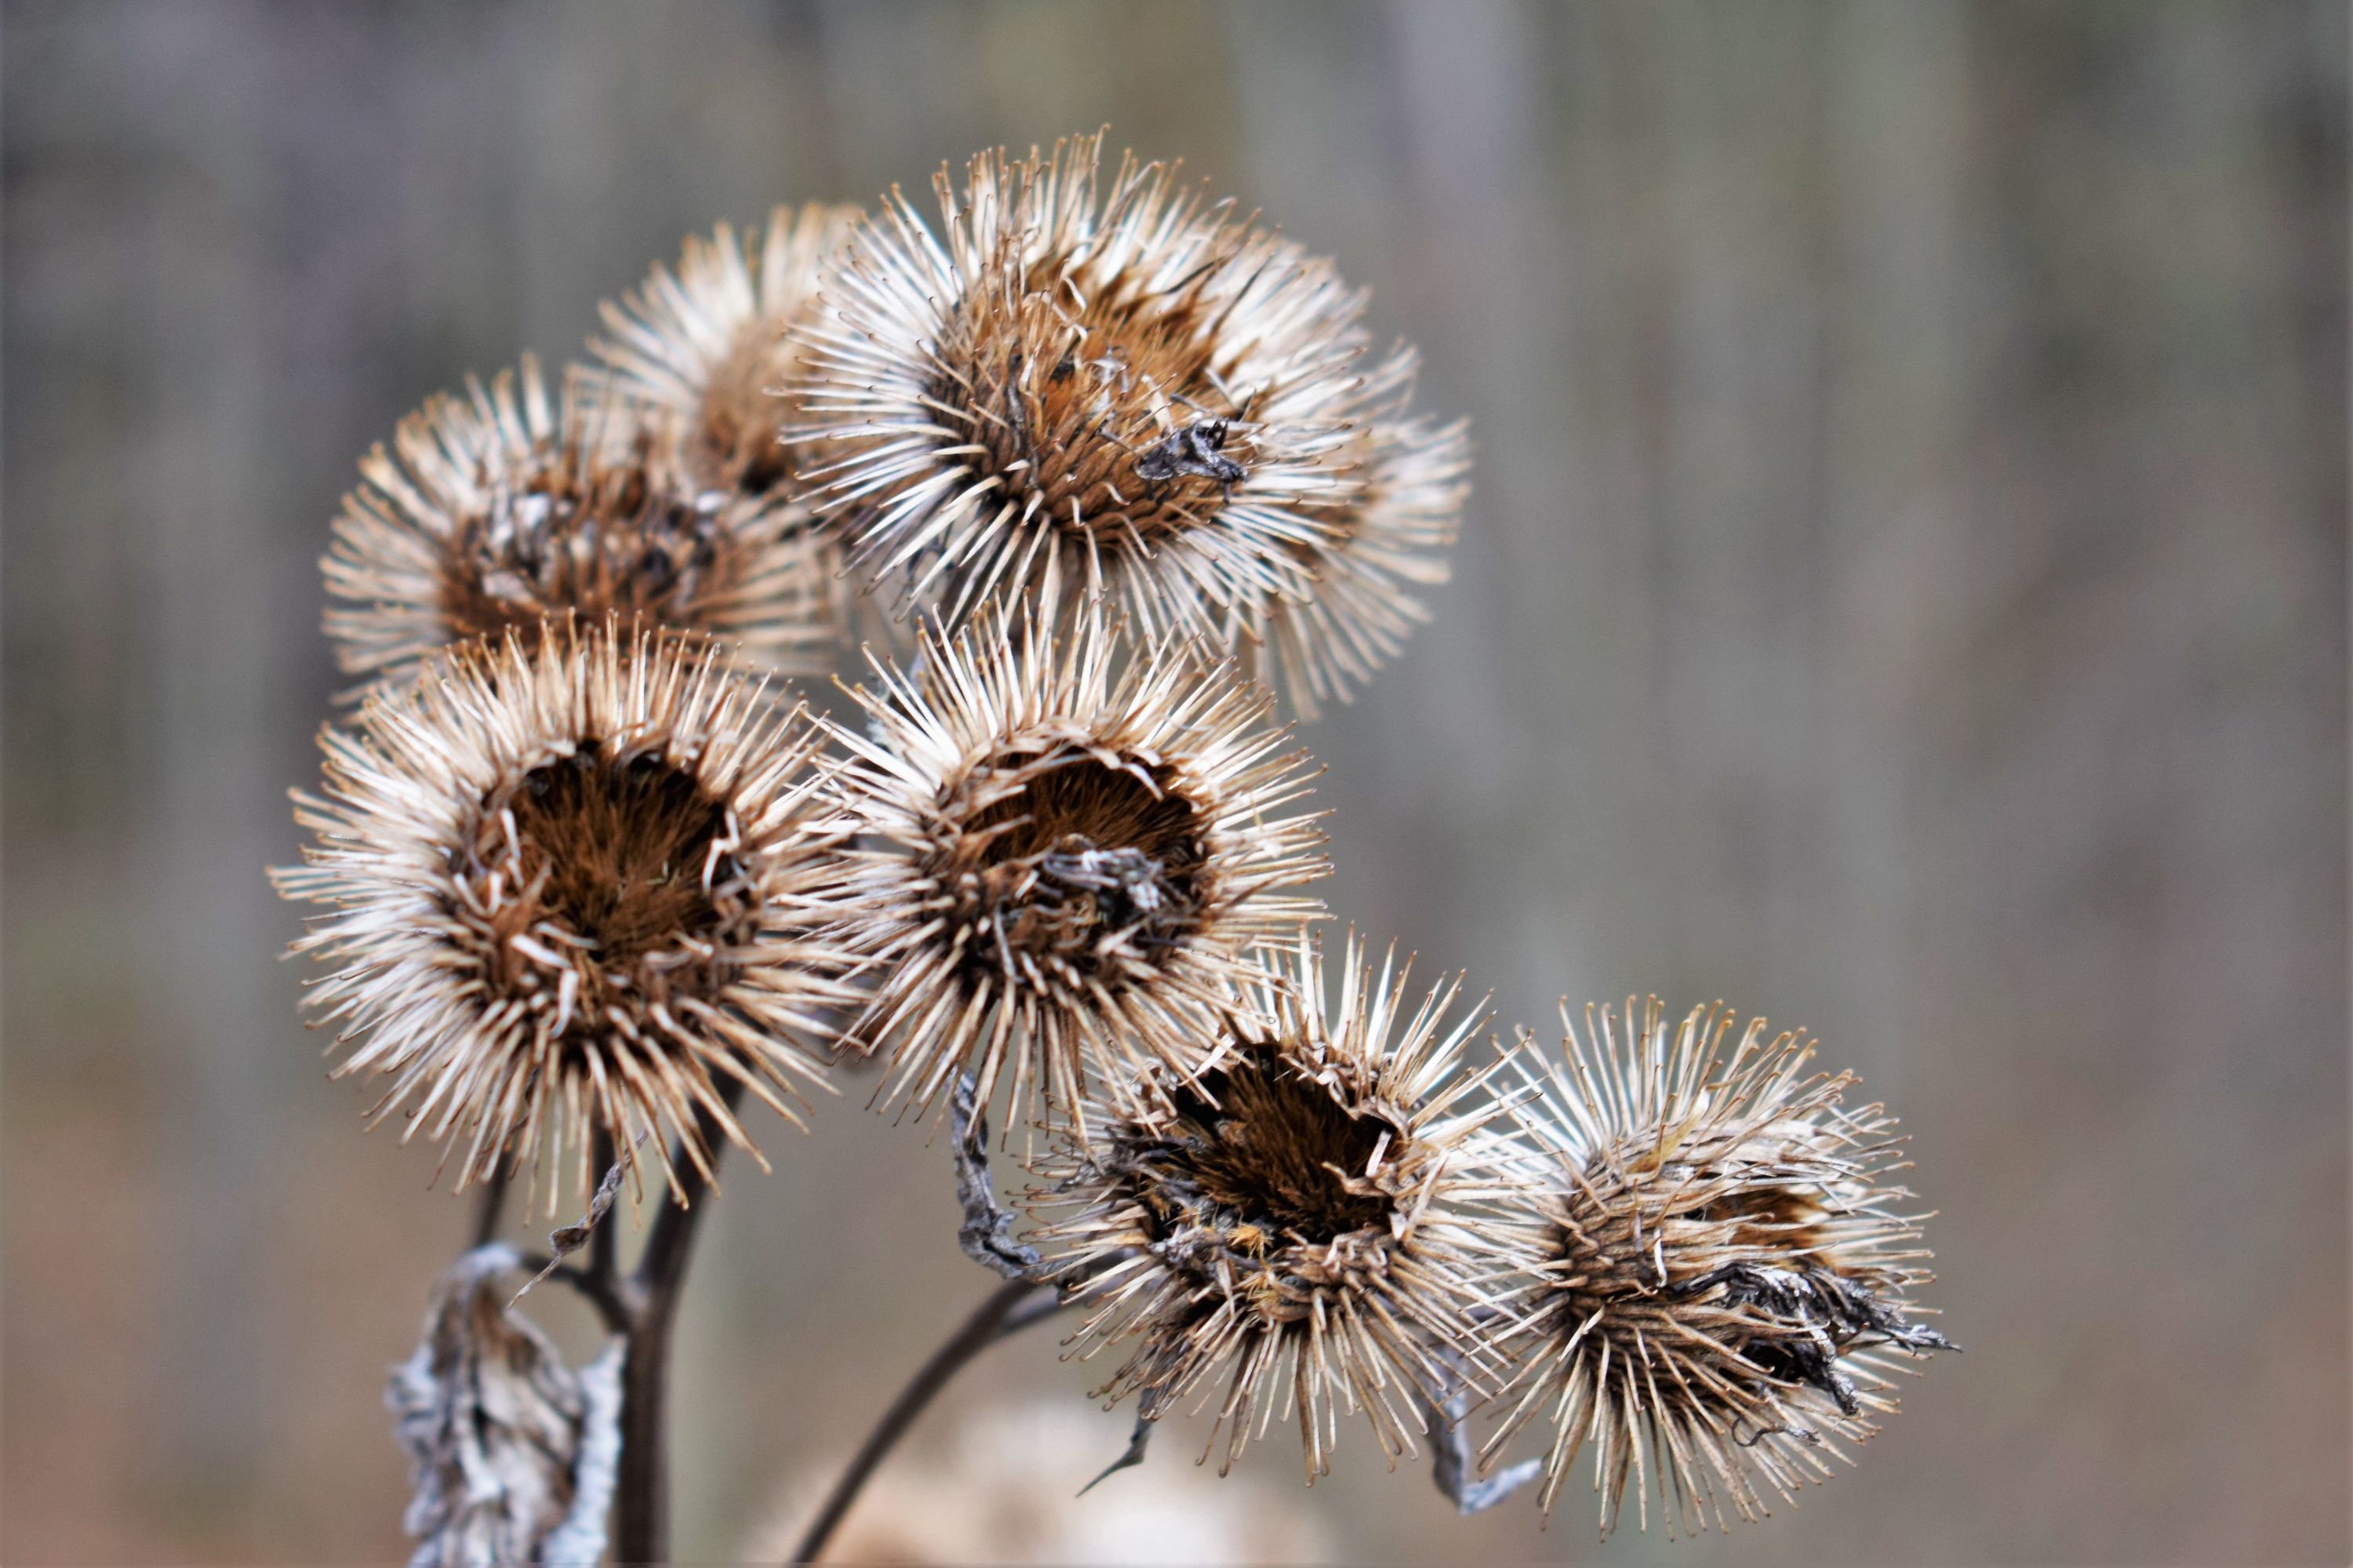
511	1453
987	1233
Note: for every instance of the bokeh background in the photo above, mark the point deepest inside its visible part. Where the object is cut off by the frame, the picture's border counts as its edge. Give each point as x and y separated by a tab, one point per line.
1905	595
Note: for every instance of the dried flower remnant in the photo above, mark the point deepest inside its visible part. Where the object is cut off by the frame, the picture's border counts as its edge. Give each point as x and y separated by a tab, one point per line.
707	341
1296	1218
1063	857
503	511
513	1454
1720	1277
1390	541
1134	395
570	886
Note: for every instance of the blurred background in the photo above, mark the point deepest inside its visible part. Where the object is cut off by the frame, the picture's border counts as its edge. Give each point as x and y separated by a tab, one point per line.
1905	595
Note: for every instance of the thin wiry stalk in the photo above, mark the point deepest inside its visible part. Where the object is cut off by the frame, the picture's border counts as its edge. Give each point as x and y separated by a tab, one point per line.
993	1319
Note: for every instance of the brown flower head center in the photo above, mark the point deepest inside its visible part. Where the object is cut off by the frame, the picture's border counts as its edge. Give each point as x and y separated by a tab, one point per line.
609	884
1103	414
1081	864
1259	1157
590	538
735	435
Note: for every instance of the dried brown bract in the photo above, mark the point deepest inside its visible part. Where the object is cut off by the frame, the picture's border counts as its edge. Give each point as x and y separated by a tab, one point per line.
1294	1218
1720	1278
571	886
706	341
1064	853
503	511
1131	394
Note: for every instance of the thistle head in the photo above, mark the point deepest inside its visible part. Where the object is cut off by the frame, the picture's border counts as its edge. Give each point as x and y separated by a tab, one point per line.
707	340
1291	1217
1063	854
1721	1274
570	888
504	511
1129	393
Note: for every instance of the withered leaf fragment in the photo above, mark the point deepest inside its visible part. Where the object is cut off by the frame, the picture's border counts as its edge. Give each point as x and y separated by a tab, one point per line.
512	1453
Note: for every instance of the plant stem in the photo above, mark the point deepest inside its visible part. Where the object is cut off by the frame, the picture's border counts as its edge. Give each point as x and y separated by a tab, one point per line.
493	1207
604	1243
992	1320
641	1490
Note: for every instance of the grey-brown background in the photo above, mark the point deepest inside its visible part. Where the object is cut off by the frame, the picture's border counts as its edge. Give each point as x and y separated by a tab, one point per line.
1905	595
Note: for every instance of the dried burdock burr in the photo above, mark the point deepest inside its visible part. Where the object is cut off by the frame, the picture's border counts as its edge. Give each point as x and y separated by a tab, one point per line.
570	886
505	510
1065	850
1106	467
1721	1274
1129	394
706	340
1376	555
1298	1219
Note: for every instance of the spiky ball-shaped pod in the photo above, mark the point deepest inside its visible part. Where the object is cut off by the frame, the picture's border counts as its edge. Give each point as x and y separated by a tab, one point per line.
1067	850
1294	1219
707	341
1131	395
1378	551
1720	1279
570	886
505	510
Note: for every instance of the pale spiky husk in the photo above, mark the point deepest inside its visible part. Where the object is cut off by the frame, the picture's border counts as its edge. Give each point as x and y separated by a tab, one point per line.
504	510
1297	1219
1135	397
1067	850
1390	541
706	340
1719	1276
570	887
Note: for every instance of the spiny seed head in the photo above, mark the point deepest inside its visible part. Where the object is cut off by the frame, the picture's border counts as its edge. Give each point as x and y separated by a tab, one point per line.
1719	1275
570	885
1061	857
502	511
1129	394
707	341
1291	1217
1378	551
